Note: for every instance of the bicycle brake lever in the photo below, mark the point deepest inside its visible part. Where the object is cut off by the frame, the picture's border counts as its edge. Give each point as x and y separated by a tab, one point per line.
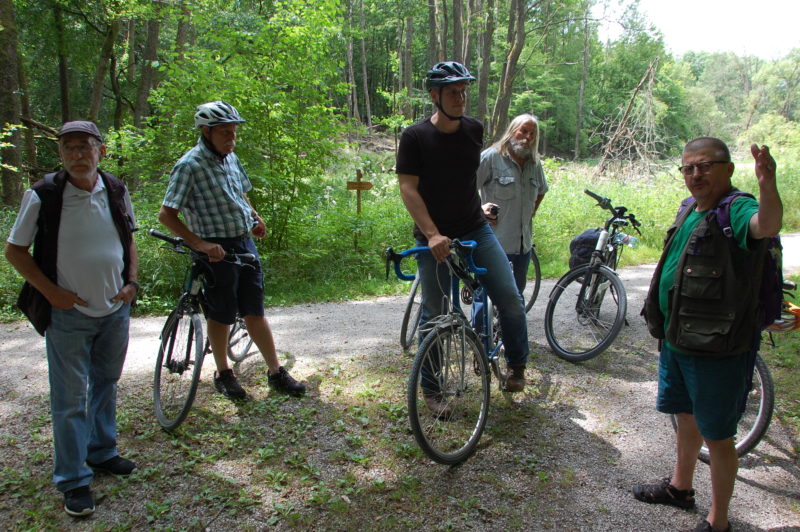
388	254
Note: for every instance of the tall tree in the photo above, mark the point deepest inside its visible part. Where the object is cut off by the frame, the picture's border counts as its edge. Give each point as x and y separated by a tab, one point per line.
63	69
364	77
103	62
582	87
458	31
147	76
485	61
516	41
9	105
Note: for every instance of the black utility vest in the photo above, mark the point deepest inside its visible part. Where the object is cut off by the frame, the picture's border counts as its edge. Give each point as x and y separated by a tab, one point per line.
713	301
50	190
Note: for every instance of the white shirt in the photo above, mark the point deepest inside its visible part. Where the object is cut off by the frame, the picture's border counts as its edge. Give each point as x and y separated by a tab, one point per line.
90	254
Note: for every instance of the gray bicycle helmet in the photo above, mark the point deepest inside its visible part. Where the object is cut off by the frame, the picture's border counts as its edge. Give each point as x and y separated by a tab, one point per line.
447	73
215	113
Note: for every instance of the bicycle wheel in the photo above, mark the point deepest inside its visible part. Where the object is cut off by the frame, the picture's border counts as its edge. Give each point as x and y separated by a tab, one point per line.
585	312
408	329
533	281
178	366
757	415
498	363
451	368
239	341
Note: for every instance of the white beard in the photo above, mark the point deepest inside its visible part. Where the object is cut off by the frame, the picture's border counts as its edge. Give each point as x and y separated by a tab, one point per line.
520	148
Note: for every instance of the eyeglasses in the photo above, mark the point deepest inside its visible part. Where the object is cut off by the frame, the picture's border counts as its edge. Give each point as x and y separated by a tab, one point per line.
703	168
81	149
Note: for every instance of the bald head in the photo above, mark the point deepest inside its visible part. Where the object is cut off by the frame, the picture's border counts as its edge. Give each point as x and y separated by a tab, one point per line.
719	148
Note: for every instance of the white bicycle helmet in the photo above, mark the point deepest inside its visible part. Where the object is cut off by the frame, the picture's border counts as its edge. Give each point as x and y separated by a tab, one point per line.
215	113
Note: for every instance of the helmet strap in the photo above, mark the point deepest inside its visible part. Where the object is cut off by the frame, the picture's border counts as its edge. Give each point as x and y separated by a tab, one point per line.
441	109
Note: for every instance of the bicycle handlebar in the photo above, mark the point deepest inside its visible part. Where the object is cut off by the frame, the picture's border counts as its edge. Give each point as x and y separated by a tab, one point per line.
179	246
464	249
618	212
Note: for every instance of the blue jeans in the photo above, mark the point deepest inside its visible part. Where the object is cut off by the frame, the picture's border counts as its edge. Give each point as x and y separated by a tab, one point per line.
85	357
519	264
498	282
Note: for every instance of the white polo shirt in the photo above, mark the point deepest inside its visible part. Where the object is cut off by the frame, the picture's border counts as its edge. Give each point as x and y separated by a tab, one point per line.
90	255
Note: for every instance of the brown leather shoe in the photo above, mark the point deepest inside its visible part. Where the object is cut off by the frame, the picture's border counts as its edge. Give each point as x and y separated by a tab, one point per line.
515	380
438	408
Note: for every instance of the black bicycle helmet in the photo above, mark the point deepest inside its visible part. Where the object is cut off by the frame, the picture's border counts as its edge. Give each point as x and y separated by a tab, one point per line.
447	73
215	113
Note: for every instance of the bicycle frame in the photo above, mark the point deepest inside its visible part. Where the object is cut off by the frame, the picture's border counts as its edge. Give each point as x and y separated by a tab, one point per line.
457	275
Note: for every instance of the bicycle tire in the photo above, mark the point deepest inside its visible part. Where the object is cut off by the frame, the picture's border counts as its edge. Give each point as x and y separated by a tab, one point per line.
499	364
451	360
533	282
178	367
757	416
411	317
580	325
239	341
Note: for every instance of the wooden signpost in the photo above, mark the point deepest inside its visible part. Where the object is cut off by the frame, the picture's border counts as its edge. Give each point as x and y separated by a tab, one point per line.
358	186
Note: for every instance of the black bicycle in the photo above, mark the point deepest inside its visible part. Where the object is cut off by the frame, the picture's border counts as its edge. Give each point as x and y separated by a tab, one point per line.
587	306
183	345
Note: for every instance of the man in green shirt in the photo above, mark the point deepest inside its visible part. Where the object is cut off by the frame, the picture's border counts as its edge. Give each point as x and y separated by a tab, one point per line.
704	376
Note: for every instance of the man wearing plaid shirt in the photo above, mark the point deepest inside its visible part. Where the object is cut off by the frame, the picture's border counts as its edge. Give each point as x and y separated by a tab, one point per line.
208	187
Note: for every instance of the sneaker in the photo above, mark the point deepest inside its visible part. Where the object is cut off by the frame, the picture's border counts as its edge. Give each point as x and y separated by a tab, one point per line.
225	382
283	382
79	502
515	380
664	493
116	466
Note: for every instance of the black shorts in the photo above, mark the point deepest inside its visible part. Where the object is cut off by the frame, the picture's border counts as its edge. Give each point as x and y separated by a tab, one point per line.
232	289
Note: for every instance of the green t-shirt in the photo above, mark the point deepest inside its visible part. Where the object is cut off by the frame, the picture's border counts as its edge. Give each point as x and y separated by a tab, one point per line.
742	209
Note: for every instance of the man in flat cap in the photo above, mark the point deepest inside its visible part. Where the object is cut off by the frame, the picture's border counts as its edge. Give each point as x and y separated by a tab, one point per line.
84	269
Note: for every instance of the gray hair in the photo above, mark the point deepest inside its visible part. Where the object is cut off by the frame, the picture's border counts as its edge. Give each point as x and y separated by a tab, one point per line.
502	145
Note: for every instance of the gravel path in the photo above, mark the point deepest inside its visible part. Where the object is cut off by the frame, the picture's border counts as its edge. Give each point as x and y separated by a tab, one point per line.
610	434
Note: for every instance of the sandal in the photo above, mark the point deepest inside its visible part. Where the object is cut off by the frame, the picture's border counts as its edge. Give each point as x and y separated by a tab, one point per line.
664	493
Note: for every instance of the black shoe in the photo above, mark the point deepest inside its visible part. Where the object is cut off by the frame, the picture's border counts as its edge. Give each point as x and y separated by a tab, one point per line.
283	382
79	502
116	466
226	384
664	493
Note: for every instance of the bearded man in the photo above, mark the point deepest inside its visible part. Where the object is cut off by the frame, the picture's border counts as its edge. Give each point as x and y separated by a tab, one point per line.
511	177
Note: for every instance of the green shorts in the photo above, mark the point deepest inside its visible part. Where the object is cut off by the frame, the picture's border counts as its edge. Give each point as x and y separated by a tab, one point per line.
713	389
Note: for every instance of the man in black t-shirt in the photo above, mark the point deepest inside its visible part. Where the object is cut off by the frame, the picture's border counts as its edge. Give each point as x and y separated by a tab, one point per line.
437	163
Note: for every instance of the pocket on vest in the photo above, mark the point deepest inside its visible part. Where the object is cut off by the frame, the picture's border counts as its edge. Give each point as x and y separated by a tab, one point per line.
702	282
700	331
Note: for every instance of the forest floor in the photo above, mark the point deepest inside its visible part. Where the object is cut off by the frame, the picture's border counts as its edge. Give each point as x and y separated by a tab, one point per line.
562	455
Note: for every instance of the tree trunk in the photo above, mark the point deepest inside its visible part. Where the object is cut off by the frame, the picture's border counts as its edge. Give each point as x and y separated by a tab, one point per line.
486	62
364	83
25	107
582	87
352	97
147	76
433	32
444	35
63	70
130	71
102	67
516	38
408	69
9	105
115	89
182	35
458	31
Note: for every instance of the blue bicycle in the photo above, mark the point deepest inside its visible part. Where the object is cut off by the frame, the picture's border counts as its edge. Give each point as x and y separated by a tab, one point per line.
449	385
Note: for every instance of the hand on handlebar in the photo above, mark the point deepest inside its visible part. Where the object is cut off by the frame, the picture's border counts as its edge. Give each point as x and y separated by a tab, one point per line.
440	247
215	252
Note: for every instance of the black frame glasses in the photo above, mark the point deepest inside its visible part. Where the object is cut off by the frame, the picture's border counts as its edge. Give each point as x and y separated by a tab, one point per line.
704	167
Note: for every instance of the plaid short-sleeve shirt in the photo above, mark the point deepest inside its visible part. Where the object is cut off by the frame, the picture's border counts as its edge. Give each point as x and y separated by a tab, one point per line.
209	192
